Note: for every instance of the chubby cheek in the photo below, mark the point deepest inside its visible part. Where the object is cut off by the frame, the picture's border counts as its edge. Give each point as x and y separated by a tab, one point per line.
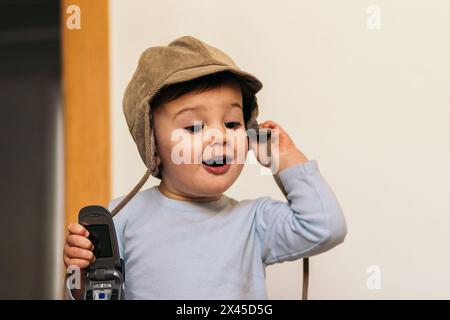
241	147
178	159
235	170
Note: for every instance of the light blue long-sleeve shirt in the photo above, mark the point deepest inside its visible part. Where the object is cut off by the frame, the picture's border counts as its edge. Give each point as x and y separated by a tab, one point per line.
176	249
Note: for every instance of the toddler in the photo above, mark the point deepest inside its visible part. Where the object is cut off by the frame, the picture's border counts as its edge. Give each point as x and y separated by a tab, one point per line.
189	109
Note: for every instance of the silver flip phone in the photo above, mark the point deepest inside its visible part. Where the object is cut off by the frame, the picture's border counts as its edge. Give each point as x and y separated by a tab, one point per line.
106	276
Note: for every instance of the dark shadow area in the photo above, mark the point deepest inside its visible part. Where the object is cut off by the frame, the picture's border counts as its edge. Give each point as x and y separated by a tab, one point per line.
30	98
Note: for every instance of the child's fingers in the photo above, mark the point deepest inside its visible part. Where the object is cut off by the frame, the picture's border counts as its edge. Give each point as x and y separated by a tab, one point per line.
275	128
269	124
78	253
75	240
81	263
76	228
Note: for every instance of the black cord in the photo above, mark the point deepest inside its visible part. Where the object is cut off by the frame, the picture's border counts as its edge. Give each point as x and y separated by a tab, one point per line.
305	278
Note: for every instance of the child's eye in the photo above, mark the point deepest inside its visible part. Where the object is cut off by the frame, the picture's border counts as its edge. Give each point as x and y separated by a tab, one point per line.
232	124
194	128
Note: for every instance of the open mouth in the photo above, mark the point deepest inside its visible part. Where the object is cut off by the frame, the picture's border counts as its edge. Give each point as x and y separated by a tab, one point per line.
217	162
218	165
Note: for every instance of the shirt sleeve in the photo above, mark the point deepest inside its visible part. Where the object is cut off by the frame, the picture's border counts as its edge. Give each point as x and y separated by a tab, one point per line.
309	223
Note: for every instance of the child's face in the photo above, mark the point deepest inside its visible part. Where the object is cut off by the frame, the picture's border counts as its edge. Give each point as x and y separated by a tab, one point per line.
213	127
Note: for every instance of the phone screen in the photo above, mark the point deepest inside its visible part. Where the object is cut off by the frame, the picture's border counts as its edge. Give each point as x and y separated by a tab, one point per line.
99	235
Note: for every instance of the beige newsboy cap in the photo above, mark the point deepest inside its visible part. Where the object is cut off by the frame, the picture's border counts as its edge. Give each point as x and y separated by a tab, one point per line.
184	59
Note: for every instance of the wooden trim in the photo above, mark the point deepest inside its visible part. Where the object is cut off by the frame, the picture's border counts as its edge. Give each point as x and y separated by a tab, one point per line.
85	69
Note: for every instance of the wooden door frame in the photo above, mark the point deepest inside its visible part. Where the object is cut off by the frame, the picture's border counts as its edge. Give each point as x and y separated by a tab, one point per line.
86	104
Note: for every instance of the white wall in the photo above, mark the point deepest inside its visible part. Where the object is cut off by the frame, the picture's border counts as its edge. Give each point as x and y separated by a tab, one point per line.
372	106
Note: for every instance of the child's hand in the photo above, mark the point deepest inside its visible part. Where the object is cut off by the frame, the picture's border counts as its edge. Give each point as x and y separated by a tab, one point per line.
288	154
78	248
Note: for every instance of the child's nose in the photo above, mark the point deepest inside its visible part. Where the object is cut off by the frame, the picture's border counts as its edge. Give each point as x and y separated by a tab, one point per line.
217	139
217	134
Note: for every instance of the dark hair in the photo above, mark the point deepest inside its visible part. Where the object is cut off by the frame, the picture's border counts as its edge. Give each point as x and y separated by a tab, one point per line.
201	84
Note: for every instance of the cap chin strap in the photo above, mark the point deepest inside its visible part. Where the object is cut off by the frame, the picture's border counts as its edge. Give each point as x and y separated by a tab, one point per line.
131	194
151	165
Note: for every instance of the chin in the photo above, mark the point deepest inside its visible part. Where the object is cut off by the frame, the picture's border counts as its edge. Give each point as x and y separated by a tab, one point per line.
216	184
213	189
201	183
212	186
